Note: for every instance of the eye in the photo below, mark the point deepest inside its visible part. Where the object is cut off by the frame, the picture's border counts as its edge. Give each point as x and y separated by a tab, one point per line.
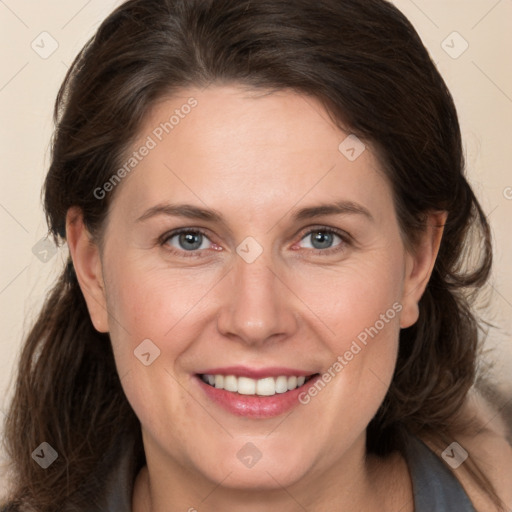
186	240
325	240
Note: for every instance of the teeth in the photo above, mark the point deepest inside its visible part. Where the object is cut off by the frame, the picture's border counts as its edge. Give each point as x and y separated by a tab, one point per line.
262	387
231	383
266	387
292	382
281	384
219	381
246	386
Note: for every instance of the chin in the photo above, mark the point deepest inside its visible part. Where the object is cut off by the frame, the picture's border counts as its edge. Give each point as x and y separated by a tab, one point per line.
272	475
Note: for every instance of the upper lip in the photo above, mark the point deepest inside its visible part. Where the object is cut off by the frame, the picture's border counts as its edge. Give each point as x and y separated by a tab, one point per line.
256	373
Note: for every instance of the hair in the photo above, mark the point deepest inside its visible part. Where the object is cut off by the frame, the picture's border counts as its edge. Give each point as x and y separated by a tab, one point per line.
365	63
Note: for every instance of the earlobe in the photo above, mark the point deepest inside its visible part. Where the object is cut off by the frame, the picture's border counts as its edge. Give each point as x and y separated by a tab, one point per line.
88	268
419	265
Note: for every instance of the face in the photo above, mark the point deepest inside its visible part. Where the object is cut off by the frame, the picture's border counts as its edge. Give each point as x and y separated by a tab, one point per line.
250	247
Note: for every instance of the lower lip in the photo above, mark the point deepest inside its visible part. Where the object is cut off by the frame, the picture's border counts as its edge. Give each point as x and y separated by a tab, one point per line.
252	406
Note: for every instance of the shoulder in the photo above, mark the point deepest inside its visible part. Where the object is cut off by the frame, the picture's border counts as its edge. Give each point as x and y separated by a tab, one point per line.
488	446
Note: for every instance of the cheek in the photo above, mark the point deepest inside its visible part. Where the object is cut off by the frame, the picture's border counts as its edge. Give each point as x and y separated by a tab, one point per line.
362	315
355	300
160	312
358	308
135	303
146	311
150	303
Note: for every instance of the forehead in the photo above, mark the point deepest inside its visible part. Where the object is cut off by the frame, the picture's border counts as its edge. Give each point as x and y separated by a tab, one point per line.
232	147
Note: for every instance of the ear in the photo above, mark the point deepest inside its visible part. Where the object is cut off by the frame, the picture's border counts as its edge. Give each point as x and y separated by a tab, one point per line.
419	263
86	258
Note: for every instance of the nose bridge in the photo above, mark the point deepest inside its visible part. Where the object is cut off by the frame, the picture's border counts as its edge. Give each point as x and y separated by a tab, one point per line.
256	304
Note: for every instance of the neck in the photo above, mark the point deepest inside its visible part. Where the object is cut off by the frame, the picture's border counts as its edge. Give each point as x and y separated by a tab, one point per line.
356	483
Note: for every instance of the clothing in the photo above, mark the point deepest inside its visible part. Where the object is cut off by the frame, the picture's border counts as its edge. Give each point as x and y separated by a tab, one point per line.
435	488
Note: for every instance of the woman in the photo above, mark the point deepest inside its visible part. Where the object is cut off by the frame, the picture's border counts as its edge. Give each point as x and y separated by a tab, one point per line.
267	302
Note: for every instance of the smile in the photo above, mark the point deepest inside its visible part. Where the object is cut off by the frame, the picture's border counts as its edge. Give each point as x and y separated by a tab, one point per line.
254	393
267	386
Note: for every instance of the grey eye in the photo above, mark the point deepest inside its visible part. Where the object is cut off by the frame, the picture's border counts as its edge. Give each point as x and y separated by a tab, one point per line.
320	239
188	241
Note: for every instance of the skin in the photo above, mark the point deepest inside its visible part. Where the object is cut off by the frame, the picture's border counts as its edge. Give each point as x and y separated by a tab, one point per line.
256	159
487	441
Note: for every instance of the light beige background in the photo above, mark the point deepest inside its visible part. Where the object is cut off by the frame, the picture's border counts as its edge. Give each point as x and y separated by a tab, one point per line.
480	80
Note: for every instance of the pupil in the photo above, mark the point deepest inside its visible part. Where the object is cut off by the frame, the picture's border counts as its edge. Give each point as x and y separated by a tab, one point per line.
190	241
322	240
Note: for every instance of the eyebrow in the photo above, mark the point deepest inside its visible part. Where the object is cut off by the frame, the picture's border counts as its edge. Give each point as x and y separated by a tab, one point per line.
338	208
181	210
194	212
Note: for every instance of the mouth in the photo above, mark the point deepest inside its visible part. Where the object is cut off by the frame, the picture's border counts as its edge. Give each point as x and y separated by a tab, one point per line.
267	386
255	394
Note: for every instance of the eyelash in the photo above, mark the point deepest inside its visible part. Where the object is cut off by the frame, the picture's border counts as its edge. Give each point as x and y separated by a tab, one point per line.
345	238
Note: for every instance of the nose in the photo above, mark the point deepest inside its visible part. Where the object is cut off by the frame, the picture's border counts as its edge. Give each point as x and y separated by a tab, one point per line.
257	307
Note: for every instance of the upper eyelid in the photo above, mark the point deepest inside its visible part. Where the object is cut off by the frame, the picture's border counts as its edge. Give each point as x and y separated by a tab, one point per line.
336	231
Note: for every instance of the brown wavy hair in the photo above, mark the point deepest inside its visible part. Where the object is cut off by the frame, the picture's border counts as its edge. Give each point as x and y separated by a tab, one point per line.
365	63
